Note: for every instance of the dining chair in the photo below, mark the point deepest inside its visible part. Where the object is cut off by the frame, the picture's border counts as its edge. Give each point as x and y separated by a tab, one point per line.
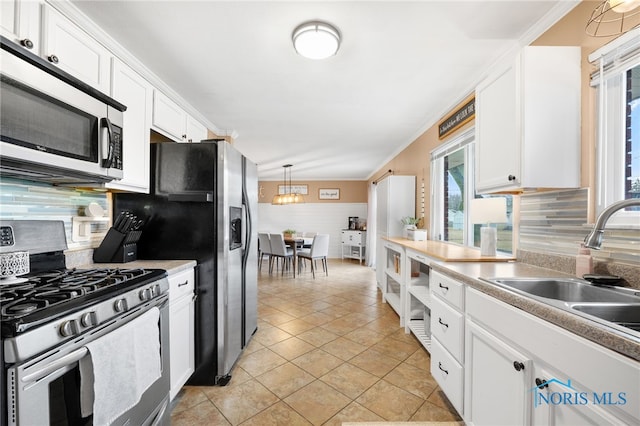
264	248
280	251
319	250
307	238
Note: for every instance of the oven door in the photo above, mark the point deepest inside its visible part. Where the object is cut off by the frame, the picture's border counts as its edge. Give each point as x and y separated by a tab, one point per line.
46	390
46	121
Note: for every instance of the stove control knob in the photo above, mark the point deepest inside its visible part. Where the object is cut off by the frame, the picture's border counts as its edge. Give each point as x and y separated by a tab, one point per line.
145	294
88	319
68	328
120	305
157	290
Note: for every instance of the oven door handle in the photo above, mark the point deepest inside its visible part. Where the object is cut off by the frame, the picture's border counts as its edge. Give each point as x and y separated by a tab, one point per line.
64	361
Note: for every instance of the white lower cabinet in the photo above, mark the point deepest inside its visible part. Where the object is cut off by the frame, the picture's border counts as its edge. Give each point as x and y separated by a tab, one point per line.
497	380
181	329
449	374
393	289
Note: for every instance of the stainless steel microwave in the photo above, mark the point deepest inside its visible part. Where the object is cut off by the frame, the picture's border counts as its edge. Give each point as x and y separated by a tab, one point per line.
54	127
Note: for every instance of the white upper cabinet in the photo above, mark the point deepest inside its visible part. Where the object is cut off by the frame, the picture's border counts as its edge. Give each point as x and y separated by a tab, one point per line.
20	23
174	122
71	49
528	122
130	89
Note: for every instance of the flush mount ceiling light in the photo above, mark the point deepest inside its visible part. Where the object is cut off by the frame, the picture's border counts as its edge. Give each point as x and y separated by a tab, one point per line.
613	17
316	40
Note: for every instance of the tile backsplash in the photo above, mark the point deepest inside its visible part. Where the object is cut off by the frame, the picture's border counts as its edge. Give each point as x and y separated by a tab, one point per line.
26	200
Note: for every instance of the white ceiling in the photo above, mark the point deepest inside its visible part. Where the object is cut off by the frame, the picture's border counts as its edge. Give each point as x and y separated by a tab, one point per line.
401	66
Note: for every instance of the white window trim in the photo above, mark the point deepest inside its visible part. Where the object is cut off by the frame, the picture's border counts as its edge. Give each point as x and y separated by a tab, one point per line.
437	196
613	59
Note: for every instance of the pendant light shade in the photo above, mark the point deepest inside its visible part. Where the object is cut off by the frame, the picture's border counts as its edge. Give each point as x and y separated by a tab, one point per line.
613	17
289	197
316	40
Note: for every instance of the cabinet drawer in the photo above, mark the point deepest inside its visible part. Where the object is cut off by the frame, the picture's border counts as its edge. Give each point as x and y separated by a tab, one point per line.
180	284
448	326
448	289
448	373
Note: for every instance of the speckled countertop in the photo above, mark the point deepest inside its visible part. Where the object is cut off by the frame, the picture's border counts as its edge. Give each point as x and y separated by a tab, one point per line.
469	272
171	266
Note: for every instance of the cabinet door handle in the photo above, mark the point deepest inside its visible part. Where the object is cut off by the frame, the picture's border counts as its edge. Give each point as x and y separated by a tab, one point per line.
26	43
511	178
442	369
53	59
440	321
443	286
518	365
541	383
183	284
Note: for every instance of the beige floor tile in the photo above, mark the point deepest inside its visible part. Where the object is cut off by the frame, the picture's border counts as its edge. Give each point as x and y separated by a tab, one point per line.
390	402
364	336
203	414
317	336
429	412
285	379
239	375
242	402
296	326
344	349
279	414
318	305
374	362
292	348
421	360
317	402
354	412
268	336
349	380
438	398
253	346
260	362
412	379
317	318
317	362
277	317
189	396
395	348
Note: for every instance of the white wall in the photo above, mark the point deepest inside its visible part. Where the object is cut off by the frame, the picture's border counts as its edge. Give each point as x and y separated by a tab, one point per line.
323	218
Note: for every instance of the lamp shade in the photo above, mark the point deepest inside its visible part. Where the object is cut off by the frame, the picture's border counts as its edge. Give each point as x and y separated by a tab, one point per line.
316	40
489	210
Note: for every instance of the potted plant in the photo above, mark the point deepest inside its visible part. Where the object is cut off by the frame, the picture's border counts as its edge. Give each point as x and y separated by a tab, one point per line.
289	233
410	222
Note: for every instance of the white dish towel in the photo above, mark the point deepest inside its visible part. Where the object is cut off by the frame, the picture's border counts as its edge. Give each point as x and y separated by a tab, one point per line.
121	365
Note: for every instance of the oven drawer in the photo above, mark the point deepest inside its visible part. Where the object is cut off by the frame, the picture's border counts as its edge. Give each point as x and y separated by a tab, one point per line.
180	284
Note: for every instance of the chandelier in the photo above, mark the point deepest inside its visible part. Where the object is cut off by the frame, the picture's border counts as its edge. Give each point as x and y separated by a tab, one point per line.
289	197
613	17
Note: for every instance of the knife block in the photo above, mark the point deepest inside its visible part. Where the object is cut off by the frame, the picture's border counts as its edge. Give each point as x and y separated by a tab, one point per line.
117	247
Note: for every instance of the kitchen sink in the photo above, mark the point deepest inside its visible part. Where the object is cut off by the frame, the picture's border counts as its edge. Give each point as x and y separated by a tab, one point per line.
566	290
616	307
624	314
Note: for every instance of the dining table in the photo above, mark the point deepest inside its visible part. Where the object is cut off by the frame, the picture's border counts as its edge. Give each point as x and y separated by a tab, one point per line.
296	243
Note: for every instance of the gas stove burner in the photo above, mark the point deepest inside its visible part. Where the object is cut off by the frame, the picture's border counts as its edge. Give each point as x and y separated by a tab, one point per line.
23	306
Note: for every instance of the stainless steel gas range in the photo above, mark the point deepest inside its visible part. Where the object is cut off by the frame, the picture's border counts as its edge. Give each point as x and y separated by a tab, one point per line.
58	324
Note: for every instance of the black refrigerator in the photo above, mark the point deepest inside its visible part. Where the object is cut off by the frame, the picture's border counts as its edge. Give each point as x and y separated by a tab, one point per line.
202	206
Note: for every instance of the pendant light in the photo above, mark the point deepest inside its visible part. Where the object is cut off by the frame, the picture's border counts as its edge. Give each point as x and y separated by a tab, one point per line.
613	17
289	197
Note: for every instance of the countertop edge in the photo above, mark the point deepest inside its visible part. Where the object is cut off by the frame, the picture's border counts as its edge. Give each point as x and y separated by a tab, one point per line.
475	257
590	330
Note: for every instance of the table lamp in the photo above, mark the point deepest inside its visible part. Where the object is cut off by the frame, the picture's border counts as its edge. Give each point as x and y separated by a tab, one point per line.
488	211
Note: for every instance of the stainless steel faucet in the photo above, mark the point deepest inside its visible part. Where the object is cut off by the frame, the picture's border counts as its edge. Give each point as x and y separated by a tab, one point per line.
594	239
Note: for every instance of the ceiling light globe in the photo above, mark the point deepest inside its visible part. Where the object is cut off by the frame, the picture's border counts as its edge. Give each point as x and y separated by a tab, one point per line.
316	40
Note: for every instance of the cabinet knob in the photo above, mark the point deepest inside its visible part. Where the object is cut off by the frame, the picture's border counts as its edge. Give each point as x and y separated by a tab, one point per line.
518	365
541	383
26	43
184	136
53	59
511	178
